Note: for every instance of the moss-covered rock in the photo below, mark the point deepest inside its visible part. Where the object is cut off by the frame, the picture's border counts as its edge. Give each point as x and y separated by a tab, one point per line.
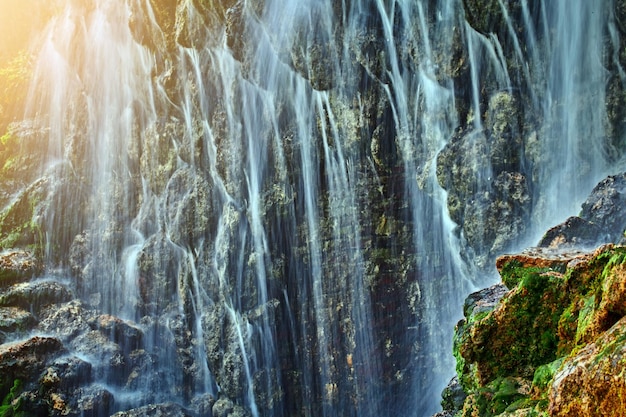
592	381
554	343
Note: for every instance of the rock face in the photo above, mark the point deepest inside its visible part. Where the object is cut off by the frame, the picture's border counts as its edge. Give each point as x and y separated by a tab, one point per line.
253	199
553	344
590	382
600	221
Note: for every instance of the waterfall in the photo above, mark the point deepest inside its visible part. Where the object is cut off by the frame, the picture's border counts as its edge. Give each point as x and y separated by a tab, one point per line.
264	188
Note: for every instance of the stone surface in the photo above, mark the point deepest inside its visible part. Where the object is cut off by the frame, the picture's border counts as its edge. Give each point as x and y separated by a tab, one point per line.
558	336
155	410
591	381
26	359
34	296
18	265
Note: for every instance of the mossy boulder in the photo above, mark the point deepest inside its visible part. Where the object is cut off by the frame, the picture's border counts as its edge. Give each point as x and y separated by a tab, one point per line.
592	381
518	335
558	337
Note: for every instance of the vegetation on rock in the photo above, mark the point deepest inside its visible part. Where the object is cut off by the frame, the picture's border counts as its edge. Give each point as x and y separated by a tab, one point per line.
554	343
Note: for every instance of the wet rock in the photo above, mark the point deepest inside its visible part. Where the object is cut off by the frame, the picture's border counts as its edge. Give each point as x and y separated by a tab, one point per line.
606	207
19	221
222	333
158	264
484	300
80	257
487	16
26	359
20	156
107	358
224	407
15	320
92	401
573	232
18	266
33	296
202	404
557	259
453	396
312	52
601	219
156	410
65	321
494	219
487	196
66	373
189	207
159	156
119	331
592	379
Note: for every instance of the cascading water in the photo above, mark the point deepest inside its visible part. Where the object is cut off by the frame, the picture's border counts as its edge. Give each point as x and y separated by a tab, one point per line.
256	187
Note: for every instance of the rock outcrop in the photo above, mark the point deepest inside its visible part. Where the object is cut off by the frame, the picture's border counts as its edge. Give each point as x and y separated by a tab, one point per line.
554	343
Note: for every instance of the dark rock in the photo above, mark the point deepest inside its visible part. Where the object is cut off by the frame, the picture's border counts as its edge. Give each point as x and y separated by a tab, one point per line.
573	232
202	405
33	296
484	300
118	331
156	410
18	266
66	321
453	396
601	220
26	360
606	207
67	372
109	362
15	320
93	401
224	407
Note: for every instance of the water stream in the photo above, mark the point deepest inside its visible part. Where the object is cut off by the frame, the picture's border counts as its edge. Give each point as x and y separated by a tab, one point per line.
258	190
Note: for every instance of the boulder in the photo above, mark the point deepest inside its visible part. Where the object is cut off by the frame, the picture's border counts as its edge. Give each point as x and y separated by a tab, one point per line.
601	220
591	382
18	265
35	295
25	360
66	321
15	320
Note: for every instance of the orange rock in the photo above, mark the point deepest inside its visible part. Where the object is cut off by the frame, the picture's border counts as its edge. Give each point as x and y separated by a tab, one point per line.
593	382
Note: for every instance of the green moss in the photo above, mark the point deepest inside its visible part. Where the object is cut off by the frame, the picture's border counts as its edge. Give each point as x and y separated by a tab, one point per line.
10	403
500	395
585	317
544	375
545	319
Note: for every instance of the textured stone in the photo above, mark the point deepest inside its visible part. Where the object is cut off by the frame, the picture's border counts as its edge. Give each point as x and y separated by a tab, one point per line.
26	359
591	382
155	410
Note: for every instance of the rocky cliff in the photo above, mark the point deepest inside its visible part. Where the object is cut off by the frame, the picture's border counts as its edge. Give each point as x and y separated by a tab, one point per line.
271	208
